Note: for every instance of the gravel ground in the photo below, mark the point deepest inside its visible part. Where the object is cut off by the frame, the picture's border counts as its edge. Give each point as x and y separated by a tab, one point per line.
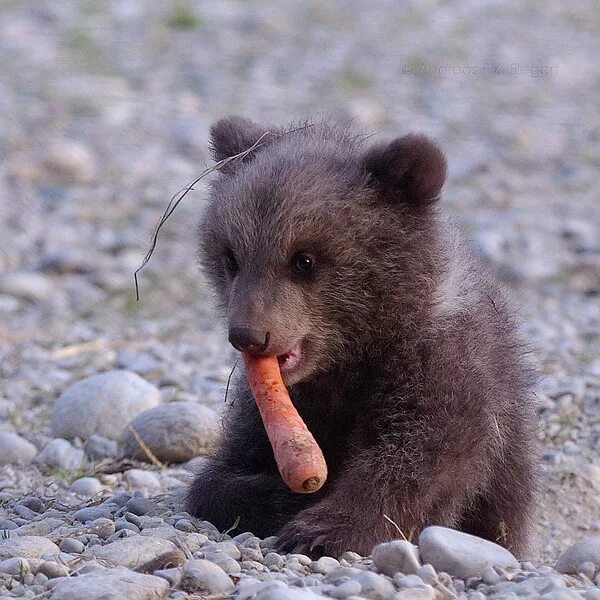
104	113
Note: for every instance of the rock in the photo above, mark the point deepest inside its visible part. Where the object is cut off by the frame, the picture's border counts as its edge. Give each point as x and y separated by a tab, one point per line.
272	559
324	565
70	161
131	551
228	564
204	577
53	569
98	447
27	546
71	546
61	454
398	556
86	486
586	550
139	506
91	513
346	589
174	432
460	554
111	584
15	450
375	587
34	287
14	566
34	503
102	404
139	478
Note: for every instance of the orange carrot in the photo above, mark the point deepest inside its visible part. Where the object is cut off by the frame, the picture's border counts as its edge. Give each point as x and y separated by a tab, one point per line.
297	454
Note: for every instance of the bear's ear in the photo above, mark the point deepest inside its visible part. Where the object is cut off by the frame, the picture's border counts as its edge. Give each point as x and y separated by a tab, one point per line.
410	169
233	135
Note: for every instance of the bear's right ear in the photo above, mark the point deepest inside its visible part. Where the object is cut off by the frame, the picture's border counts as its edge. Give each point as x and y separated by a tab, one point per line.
233	135
410	170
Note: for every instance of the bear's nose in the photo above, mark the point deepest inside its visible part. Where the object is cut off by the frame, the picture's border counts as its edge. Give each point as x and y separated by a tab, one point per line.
248	340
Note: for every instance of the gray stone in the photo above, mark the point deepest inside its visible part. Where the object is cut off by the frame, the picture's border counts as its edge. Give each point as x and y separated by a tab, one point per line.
99	447
53	569
460	554
34	503
111	584
86	486
15	450
102	404
34	287
173	575
272	559
174	432
70	160
14	566
71	546
204	577
142	506
91	513
398	556
139	478
346	589
131	551
61	454
375	587
586	550
228	564
325	564
592	594
27	546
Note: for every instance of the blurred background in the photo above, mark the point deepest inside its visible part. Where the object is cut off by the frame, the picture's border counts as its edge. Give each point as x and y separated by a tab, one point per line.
104	114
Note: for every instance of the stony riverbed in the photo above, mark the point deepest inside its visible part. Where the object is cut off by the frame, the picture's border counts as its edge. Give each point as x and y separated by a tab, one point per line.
104	114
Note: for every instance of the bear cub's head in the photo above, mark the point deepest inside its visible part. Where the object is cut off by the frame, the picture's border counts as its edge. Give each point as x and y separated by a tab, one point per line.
315	236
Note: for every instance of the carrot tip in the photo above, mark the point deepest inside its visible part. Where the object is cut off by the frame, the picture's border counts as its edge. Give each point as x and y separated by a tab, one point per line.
312	484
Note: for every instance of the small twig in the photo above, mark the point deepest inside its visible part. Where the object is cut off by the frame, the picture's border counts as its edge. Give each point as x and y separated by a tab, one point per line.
74	349
229	378
146	450
181	194
396	526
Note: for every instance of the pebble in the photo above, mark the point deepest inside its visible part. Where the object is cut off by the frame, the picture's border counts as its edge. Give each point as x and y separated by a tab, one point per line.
375	587
70	160
460	554
98	447
86	486
140	506
138	478
53	569
396	556
61	454
174	432
31	286
113	584
585	550
14	566
131	551
228	564
203	577
27	546
102	404
71	546
91	513
15	450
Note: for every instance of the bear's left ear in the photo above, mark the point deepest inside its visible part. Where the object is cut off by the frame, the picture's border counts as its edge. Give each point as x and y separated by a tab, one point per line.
410	169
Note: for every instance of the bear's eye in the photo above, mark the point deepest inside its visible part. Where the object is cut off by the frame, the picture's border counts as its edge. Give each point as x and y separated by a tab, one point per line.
231	263
303	264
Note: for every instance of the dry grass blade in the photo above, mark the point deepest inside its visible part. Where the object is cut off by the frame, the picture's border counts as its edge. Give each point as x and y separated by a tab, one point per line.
145	449
396	526
181	194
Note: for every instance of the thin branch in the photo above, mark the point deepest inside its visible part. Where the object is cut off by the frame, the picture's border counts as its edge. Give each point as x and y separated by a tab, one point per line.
145	448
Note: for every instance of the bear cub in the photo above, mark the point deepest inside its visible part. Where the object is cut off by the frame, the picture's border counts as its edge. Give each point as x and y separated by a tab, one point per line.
399	352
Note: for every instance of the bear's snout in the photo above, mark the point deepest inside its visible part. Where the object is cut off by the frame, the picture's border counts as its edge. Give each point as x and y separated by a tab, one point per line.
245	339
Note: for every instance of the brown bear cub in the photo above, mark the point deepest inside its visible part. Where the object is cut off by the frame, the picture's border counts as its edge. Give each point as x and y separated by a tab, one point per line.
399	353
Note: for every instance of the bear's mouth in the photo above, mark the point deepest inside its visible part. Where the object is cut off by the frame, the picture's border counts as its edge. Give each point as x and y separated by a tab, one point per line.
290	360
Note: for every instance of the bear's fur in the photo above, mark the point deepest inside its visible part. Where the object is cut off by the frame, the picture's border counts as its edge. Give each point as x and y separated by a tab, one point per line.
412	377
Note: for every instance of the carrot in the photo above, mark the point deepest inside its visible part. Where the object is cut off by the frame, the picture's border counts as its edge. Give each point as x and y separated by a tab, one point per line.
297	454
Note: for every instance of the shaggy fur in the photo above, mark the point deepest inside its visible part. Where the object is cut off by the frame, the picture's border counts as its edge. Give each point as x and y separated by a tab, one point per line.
412	378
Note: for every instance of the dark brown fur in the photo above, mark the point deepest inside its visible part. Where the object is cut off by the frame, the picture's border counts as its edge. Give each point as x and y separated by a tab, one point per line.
412	380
